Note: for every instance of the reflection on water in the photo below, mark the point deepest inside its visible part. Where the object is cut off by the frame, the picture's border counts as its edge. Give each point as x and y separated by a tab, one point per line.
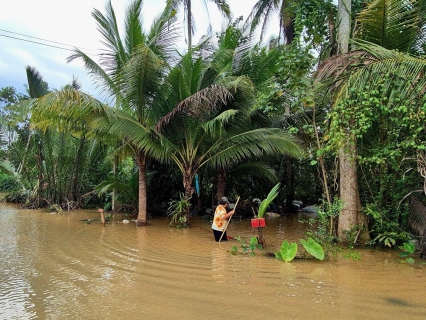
57	267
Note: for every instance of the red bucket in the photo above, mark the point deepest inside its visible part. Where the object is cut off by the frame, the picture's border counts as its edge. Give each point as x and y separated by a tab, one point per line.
258	222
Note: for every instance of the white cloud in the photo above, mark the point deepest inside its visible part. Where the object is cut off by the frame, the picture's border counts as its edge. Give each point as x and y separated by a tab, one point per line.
71	23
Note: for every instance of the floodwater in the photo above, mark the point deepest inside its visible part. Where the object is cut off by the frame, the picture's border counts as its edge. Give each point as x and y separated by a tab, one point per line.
54	266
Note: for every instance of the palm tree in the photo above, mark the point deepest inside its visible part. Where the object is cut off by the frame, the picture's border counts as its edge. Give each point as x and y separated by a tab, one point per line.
222	5
209	119
142	57
67	150
265	9
36	88
56	171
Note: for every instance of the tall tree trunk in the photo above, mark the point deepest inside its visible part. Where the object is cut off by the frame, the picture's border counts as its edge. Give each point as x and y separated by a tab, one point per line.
348	191
115	204
142	212
189	23
351	218
39	176
221	178
188	177
114	190
76	175
344	23
289	179
289	33
332	30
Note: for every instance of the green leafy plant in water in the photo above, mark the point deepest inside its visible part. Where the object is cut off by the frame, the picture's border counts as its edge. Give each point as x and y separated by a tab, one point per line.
388	233
177	211
313	247
266	202
391	238
408	248
322	229
248	246
287	252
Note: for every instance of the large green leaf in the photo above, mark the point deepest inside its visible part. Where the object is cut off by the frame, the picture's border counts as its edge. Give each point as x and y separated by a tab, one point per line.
287	252
313	247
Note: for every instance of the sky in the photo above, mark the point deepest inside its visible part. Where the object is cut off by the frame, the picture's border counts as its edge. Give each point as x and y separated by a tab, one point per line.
67	24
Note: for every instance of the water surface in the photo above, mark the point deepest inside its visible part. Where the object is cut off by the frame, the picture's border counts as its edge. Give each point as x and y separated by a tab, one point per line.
57	267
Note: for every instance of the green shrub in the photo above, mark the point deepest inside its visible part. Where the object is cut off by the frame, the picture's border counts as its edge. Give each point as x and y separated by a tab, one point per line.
8	183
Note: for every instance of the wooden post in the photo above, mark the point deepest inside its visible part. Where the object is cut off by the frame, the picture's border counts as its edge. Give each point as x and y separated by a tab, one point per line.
260	239
101	211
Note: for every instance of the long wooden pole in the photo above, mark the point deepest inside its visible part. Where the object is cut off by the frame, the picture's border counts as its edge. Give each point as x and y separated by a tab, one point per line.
229	220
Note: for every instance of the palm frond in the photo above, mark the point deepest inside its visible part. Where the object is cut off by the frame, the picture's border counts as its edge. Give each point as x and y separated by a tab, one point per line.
392	24
140	79
37	87
223	7
164	33
76	84
262	11
63	108
116	54
133	29
216	126
255	169
105	81
198	104
127	128
233	148
368	67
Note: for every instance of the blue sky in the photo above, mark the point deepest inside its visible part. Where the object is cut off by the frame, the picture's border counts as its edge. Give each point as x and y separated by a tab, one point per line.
67	24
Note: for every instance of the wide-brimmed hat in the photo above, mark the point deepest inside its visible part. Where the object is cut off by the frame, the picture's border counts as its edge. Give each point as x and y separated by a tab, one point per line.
224	200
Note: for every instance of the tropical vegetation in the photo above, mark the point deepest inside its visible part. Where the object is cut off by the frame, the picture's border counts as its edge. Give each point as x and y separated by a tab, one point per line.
330	112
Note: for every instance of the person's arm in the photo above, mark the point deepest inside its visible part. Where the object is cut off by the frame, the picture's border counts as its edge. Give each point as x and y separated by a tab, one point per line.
228	215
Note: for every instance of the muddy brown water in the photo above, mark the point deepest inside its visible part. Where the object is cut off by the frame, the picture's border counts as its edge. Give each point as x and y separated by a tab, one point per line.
56	267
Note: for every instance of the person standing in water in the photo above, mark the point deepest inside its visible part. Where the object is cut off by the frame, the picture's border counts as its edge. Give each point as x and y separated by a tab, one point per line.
221	219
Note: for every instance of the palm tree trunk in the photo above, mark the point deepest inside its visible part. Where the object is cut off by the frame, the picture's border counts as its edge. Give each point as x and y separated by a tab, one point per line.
188	177
189	23
78	161
114	191
142	212
221	179
289	181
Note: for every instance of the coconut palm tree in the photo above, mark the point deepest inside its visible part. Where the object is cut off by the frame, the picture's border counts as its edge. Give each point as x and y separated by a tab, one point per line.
222	6
146	53
209	120
264	10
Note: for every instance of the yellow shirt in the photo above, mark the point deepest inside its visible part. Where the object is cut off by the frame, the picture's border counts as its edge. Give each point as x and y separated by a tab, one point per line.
219	223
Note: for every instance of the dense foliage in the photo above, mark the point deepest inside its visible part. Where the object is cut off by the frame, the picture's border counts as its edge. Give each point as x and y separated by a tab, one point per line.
239	115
